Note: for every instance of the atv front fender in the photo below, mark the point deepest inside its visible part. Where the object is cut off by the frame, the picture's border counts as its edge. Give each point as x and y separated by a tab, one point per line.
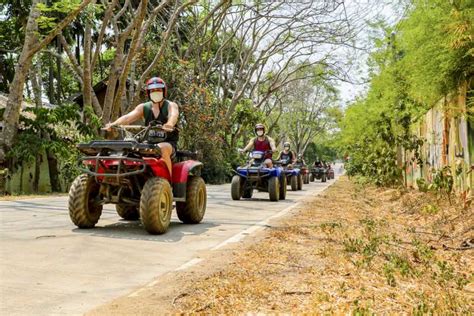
181	172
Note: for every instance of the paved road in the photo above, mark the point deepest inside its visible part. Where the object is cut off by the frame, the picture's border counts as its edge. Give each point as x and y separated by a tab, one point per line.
48	266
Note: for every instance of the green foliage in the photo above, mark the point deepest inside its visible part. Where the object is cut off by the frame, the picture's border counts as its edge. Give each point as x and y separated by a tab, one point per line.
56	130
426	59
443	181
51	14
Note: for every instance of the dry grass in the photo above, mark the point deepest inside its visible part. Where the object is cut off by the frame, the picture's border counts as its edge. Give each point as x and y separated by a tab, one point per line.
353	249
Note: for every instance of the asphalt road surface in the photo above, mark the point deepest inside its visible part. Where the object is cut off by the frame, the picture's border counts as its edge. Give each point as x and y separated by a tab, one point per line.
49	267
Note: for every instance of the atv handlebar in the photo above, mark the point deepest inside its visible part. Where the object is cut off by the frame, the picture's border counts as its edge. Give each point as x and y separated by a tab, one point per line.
140	127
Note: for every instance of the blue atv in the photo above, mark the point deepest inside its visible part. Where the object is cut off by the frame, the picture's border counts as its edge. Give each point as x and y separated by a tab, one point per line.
255	175
293	175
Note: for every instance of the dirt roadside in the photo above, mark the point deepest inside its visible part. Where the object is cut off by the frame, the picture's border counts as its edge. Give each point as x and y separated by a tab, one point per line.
351	249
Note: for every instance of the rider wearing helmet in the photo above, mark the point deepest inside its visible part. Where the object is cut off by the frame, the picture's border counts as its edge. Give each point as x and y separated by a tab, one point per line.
287	155
318	163
300	159
158	110
263	143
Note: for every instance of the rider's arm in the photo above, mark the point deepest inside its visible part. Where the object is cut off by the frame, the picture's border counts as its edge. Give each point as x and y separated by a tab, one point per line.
173	115
272	144
130	117
249	145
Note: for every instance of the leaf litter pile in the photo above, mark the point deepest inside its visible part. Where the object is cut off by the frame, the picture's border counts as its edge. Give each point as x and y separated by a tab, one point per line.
354	248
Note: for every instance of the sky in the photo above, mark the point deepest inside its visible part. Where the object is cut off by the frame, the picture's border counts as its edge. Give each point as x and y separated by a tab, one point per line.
389	12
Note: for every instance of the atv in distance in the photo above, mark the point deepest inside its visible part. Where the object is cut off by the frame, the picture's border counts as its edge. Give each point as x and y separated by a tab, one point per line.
304	171
256	176
318	173
330	171
131	174
293	175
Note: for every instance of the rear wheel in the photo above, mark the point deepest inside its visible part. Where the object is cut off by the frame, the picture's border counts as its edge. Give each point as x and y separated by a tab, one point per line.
128	212
283	185
236	188
84	209
306	179
192	211
300	182
247	193
274	188
155	205
294	183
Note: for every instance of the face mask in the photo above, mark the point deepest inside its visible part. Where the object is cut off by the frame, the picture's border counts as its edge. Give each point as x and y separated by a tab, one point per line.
156	96
260	133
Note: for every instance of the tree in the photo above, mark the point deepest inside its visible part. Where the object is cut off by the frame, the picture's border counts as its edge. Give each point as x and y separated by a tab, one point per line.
32	44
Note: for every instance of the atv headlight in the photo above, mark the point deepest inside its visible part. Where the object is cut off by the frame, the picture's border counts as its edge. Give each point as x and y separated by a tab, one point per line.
257	155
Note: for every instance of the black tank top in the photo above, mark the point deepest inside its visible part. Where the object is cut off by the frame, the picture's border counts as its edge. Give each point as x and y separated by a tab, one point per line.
288	156
161	119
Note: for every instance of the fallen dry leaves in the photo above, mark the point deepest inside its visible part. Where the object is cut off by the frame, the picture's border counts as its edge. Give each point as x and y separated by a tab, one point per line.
352	249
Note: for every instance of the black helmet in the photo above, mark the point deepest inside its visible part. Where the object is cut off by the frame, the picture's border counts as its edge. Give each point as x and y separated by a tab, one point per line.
286	144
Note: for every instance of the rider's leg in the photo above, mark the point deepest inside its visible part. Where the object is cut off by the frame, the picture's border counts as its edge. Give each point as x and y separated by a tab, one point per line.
166	152
268	163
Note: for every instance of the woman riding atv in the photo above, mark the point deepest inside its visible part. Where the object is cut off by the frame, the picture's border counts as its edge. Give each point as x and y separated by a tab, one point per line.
287	155
157	111
263	143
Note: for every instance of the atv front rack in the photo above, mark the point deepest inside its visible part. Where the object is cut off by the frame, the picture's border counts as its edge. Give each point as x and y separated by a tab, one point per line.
102	168
97	146
253	173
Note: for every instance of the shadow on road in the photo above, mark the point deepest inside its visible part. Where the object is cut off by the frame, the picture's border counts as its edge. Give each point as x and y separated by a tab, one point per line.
134	230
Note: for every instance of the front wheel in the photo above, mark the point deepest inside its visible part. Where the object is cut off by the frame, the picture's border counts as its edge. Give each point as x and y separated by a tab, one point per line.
283	185
300	182
192	211
274	189
155	205
294	183
311	178
127	212
247	193
323	178
306	179
236	188
84	209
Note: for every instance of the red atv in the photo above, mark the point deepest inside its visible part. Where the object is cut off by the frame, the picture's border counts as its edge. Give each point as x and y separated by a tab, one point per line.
131	174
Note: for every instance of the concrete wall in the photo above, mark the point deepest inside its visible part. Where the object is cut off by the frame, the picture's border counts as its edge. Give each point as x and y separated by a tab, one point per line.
449	141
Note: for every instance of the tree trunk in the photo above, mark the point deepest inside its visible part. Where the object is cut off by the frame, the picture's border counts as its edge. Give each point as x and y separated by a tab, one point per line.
87	79
22	171
11	115
60	92
35	78
36	177
51	93
53	172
